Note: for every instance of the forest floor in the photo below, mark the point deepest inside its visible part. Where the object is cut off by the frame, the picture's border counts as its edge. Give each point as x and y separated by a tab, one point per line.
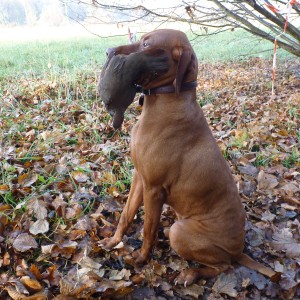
65	175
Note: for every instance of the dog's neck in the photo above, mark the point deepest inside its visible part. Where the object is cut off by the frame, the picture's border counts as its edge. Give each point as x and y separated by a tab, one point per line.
169	110
166	89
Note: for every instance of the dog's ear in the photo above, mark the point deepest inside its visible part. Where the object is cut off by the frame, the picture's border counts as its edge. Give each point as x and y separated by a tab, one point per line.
184	57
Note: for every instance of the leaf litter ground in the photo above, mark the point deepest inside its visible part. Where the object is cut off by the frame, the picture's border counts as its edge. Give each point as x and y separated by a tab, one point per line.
65	176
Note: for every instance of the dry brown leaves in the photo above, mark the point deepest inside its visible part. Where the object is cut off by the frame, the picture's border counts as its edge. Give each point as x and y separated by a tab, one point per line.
65	175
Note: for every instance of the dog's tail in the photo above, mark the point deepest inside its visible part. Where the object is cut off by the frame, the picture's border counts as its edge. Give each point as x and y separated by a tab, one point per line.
248	262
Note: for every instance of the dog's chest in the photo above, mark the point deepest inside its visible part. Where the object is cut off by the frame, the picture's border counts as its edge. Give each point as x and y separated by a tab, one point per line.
152	153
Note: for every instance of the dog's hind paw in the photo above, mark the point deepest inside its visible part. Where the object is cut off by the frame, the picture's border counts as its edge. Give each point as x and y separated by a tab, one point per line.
187	277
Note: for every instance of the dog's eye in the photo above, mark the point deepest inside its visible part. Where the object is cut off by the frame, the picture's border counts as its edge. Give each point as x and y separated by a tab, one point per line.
145	44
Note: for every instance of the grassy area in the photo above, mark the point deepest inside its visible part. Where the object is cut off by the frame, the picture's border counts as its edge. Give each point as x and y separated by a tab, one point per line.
53	57
84	55
232	45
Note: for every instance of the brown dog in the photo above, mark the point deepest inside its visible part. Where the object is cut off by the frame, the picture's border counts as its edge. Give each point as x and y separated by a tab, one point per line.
177	162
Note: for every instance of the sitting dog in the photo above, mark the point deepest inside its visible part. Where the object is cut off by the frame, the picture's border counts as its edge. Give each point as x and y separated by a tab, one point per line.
177	161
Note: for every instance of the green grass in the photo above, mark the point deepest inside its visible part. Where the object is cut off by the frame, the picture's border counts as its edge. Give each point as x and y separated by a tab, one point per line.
37	58
233	45
83	55
292	159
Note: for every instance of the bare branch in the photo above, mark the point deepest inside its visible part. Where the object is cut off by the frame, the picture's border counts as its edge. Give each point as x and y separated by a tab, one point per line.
210	17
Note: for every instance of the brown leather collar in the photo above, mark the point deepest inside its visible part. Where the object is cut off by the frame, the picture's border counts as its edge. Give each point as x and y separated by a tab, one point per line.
167	89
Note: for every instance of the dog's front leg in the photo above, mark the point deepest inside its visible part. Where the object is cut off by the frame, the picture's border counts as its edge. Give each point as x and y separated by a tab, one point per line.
133	203
153	202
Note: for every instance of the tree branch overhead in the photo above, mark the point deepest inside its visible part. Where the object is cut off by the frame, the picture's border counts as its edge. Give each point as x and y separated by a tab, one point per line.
255	16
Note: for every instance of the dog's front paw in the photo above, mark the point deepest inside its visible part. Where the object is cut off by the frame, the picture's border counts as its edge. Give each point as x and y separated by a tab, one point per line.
108	243
140	258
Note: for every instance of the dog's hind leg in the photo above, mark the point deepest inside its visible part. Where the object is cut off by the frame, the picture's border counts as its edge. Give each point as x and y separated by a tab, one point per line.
190	243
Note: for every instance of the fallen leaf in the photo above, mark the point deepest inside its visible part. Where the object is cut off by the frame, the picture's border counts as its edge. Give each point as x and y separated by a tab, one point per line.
24	242
38	207
73	212
143	293
30	135
278	267
193	290
283	240
28	179
6	259
47	249
89	118
159	269
61	168
225	284
60	205
31	284
119	275
288	206
268	216
288	281
4	188
83	223
178	264
208	106
65	186
266	181
248	170
35	271
77	234
39	226
80	176
290	188
246	282
87	262
14	293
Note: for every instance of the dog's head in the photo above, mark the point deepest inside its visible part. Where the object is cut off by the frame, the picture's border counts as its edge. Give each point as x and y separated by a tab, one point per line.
122	73
183	64
144	63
